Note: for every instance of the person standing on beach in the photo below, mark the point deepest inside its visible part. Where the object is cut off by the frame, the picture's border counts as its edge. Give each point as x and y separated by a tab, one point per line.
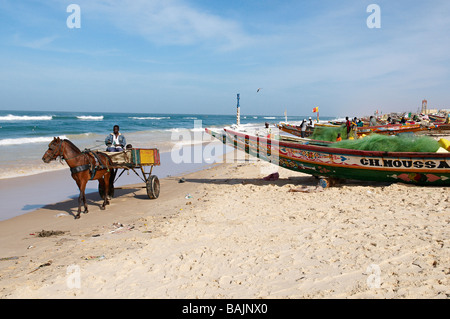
349	126
373	121
115	141
354	127
303	128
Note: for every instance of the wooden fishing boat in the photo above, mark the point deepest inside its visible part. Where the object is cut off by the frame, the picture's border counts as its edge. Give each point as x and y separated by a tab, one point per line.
300	140
391	129
335	122
441	127
294	129
436	118
337	163
329	124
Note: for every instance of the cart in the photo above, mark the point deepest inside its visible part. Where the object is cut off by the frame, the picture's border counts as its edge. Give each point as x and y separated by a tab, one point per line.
136	160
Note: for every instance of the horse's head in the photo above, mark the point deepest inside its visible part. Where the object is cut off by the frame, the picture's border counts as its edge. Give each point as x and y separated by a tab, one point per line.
54	150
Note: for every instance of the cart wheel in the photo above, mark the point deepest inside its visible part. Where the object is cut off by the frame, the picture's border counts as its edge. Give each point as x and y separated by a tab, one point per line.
153	187
101	190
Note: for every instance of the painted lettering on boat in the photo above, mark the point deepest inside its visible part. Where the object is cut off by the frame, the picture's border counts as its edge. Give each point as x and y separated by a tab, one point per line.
397	163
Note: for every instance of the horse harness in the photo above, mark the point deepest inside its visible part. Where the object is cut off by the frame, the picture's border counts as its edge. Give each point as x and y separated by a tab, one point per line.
81	168
91	167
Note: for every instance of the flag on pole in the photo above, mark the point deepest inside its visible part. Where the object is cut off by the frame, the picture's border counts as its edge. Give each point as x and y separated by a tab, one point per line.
316	109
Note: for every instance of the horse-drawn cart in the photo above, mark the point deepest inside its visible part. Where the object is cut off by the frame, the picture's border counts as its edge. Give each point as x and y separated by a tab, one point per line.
136	160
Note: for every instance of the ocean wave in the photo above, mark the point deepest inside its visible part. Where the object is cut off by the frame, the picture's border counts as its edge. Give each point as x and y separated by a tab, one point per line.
11	117
183	130
197	129
27	140
270	117
82	136
148	118
190	118
338	119
176	130
30	169
90	118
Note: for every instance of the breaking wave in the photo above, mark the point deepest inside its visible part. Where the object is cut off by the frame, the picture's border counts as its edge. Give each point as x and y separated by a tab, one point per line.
11	117
90	118
28	140
148	118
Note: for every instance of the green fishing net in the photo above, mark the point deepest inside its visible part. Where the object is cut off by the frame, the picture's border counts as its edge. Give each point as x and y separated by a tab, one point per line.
388	143
325	133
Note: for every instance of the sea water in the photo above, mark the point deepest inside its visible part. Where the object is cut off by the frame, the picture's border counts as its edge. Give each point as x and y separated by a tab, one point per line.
25	135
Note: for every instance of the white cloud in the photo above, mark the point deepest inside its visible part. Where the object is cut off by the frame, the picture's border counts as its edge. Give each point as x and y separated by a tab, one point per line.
39	43
171	22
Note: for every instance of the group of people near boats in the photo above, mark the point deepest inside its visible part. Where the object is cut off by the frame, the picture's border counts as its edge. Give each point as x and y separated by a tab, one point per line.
303	126
354	124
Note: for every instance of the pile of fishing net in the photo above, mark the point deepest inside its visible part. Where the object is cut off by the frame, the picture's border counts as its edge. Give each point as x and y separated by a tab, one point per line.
326	133
388	143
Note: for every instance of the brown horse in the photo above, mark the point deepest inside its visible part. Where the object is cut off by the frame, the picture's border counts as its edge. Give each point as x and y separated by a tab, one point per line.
84	166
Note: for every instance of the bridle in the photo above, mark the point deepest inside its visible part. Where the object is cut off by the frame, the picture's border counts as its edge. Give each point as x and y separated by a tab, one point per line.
56	150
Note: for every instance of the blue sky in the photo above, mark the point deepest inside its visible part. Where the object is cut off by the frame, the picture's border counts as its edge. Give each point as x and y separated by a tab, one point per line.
182	56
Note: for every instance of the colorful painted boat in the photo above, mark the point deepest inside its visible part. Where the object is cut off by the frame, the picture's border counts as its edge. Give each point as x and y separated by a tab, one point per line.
322	161
441	127
391	129
294	129
300	140
436	118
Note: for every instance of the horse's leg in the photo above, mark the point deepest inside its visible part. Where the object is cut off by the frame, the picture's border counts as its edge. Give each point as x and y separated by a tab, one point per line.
80	198
85	203
106	184
107	178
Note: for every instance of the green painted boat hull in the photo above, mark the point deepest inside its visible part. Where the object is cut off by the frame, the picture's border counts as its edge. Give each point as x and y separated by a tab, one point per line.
415	168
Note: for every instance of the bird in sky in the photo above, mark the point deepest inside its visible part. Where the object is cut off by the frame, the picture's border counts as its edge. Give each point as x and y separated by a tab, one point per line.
258	90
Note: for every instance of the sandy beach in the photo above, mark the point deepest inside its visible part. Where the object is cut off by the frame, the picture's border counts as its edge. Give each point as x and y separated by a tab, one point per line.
227	233
349	98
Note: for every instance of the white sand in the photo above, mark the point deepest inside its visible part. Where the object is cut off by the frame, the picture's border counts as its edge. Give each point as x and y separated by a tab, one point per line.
238	237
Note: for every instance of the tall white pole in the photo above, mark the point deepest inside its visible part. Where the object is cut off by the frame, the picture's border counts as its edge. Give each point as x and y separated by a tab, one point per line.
238	115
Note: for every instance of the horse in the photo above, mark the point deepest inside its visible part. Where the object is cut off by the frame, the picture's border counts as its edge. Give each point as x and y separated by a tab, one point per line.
84	166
